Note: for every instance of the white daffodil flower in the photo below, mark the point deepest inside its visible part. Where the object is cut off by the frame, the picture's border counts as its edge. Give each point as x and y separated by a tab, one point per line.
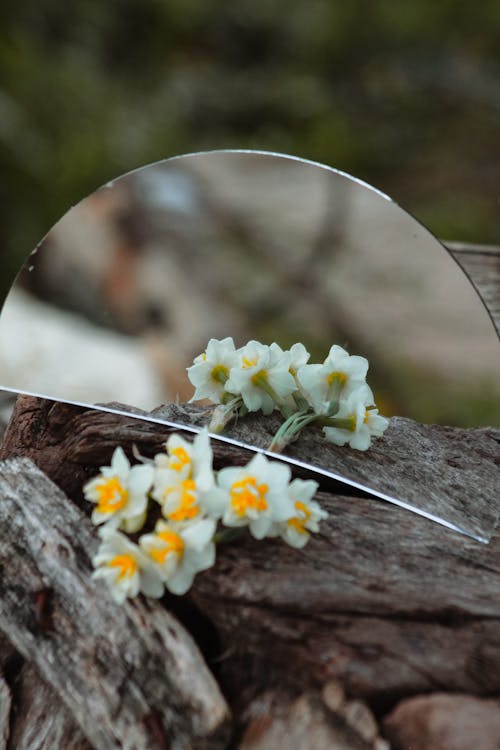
261	377
296	530
124	568
188	460
324	385
299	356
210	370
120	493
256	495
184	483
356	421
179	551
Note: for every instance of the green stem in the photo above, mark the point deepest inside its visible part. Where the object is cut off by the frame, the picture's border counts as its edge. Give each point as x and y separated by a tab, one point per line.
226	536
261	381
342	423
302	403
224	413
290	429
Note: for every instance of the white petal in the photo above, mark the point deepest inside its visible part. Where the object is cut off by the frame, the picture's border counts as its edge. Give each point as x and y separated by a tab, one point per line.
120	463
283	382
215	502
358	366
180	581
280	507
203	559
336	435
303	489
310	376
141	479
151	584
260	527
118	594
253	400
295	538
278	476
110	519
198	534
228	476
361	439
134	523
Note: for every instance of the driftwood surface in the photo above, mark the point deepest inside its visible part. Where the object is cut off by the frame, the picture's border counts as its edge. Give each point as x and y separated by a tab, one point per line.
384	624
157	670
382	601
482	264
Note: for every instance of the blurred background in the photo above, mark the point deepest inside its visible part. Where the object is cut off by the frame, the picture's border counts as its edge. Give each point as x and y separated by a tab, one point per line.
405	95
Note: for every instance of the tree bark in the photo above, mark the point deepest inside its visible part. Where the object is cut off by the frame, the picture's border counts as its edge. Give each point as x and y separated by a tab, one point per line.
381	605
130	676
481	263
387	603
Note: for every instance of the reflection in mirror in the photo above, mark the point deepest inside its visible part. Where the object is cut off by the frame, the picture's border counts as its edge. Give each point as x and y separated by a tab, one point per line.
131	284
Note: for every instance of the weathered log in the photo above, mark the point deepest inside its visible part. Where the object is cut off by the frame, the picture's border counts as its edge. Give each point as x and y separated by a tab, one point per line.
313	721
304	723
437	468
129	675
387	602
40	721
5	703
482	264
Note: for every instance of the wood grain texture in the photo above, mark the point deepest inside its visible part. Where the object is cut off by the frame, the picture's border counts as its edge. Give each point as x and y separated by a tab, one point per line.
436	469
481	263
126	674
41	721
387	602
5	706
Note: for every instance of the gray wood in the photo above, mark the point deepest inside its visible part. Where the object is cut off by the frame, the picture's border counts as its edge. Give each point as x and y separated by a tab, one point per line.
305	723
121	671
482	264
389	603
5	704
41	721
435	468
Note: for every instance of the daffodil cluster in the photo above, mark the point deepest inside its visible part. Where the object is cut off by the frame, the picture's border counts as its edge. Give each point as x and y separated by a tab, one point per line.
192	504
333	395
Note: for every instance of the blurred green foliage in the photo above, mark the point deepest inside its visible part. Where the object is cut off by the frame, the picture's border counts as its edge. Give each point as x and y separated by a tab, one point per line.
403	94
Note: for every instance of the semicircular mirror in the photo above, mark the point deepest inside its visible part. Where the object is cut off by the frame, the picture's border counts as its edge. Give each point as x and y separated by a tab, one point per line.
132	283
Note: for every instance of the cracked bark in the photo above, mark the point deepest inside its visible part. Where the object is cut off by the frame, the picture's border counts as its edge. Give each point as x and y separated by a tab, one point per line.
387	602
131	676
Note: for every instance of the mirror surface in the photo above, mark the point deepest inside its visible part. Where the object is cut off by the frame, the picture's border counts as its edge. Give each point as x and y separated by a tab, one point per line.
131	284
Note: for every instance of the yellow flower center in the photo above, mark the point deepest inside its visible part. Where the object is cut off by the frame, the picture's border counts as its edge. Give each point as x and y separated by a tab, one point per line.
300	520
179	458
260	378
247	494
111	494
127	565
367	416
247	363
337	377
220	374
187	507
172	542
